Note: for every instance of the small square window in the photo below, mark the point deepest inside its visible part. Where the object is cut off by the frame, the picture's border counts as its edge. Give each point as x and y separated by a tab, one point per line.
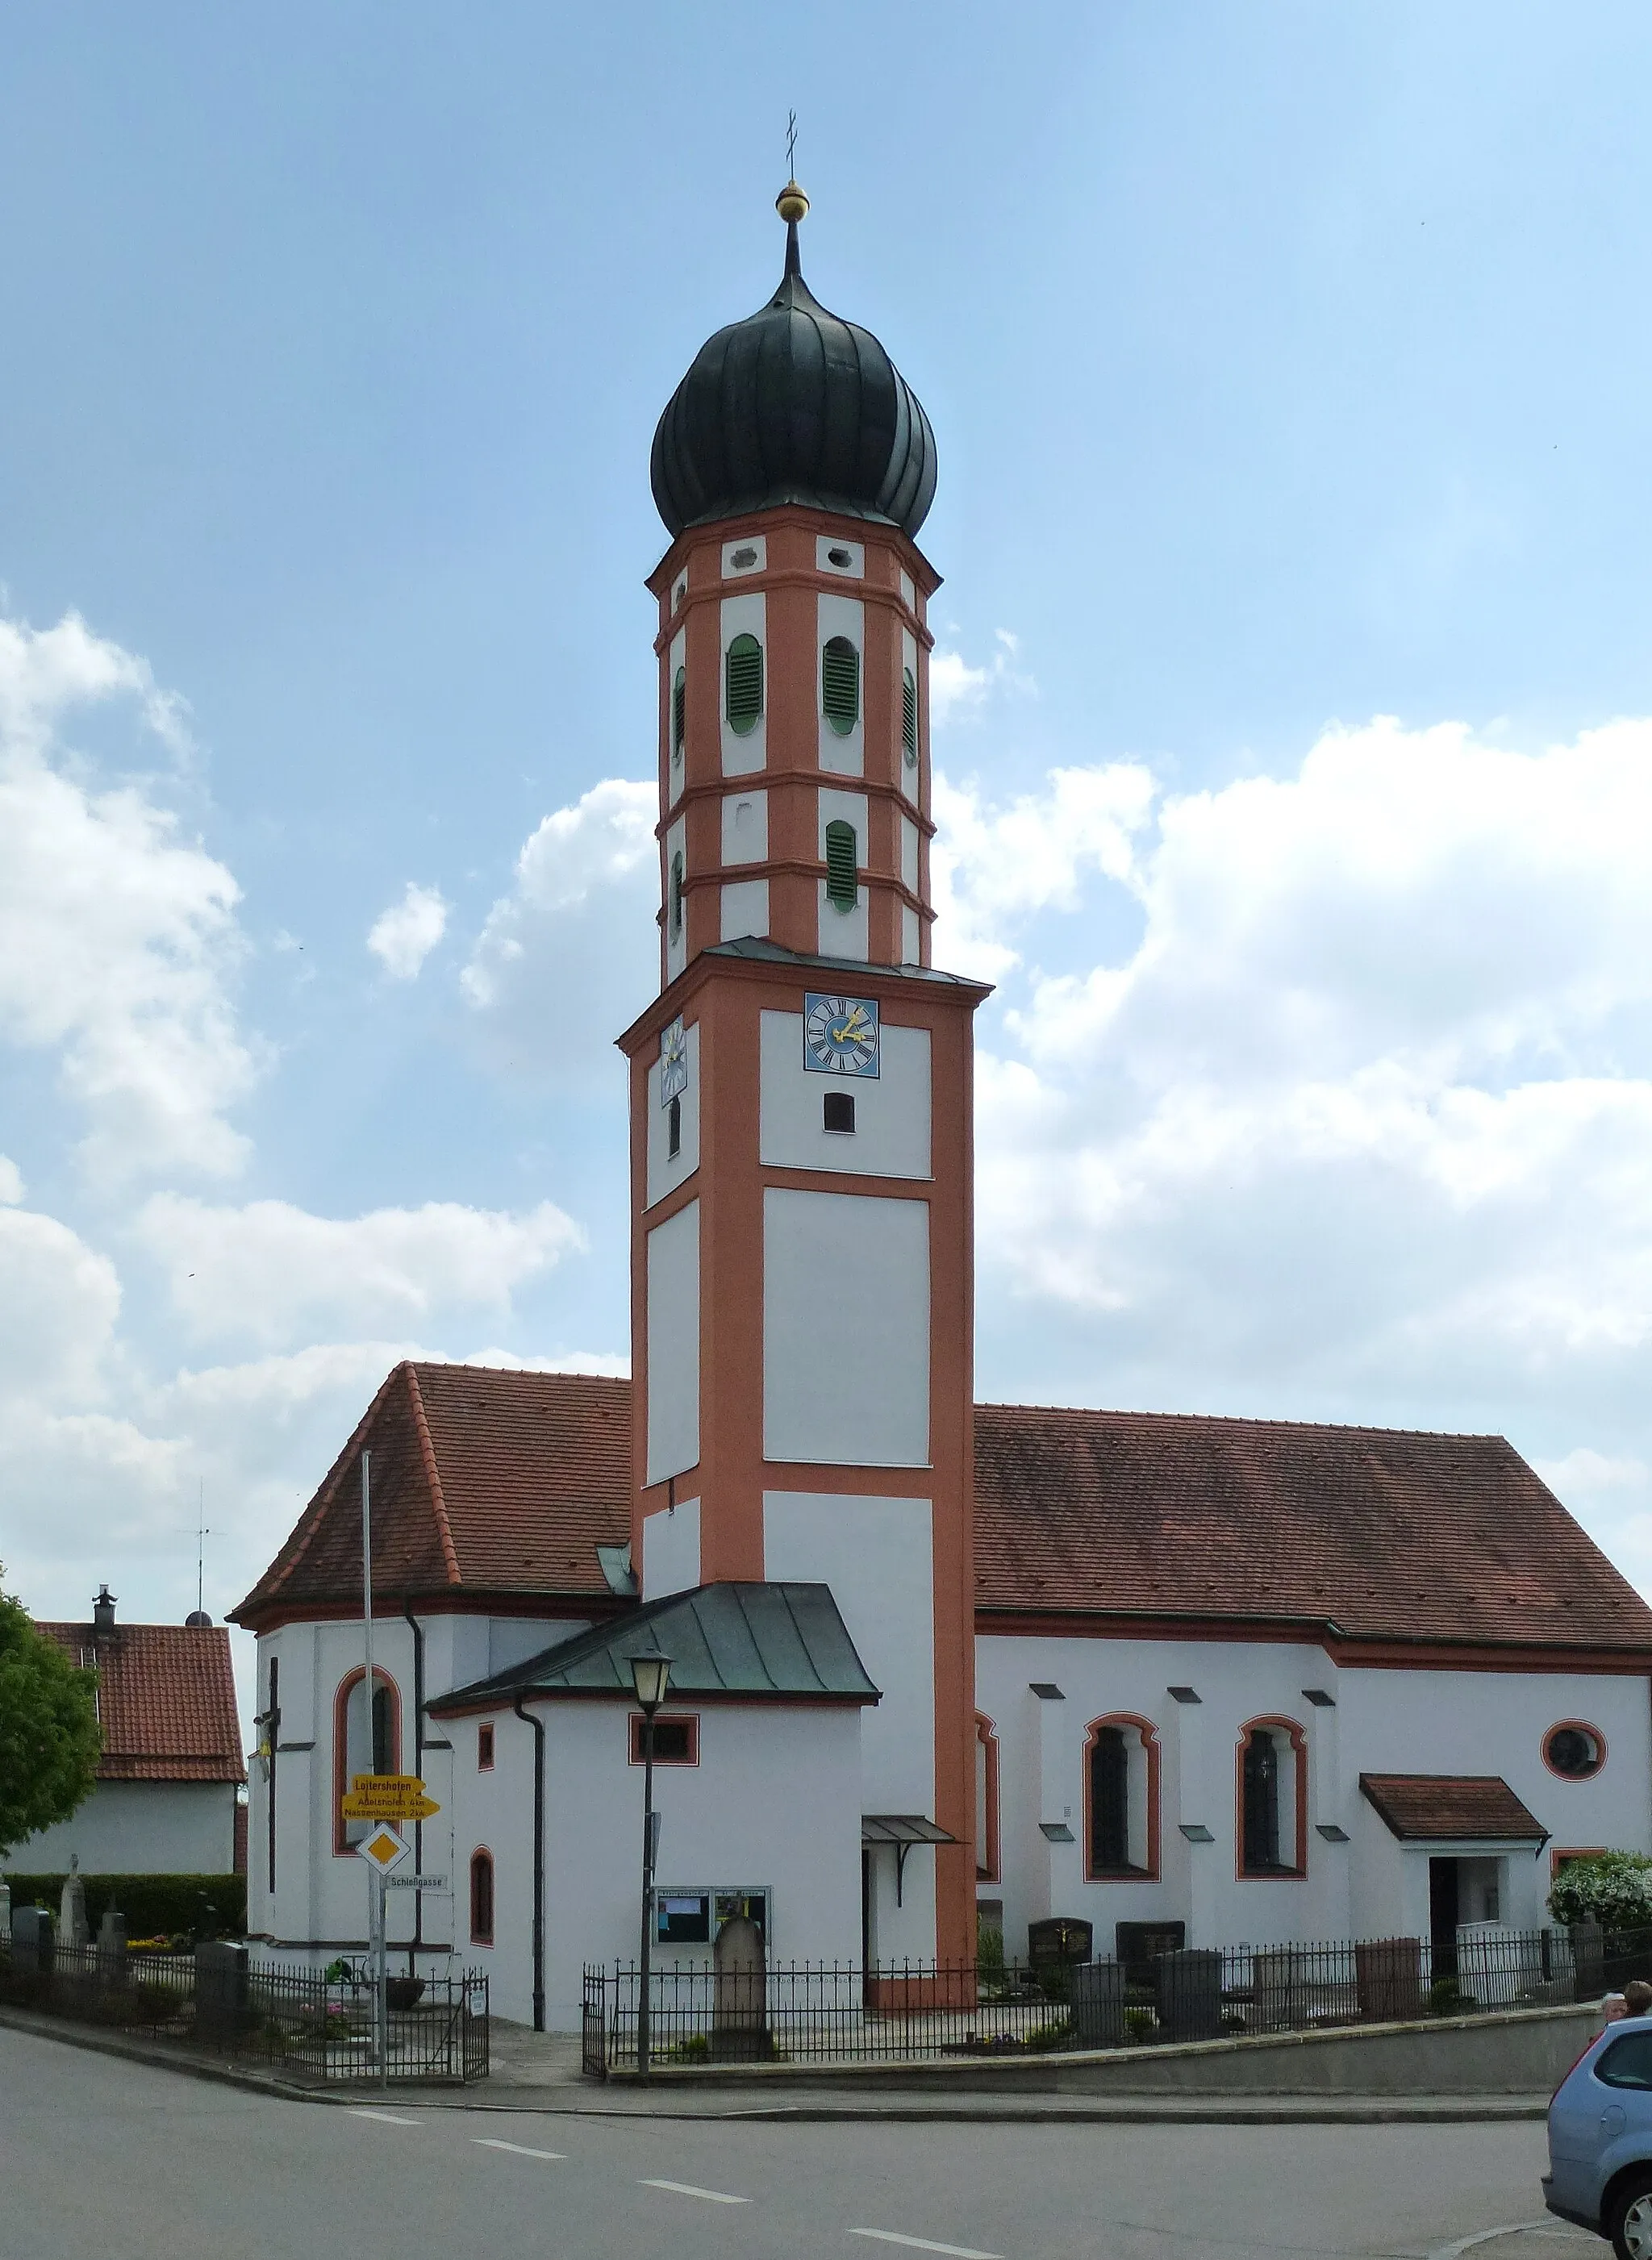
677	1740
837	1111
484	1748
674	1130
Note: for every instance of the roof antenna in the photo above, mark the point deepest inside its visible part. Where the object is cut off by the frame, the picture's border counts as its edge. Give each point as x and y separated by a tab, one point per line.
201	1534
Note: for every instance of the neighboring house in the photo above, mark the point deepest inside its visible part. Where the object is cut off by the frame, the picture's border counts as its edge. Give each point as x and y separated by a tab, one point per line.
1264	1680
165	1801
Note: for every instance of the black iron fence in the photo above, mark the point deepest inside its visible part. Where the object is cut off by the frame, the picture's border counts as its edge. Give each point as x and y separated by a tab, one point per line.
828	2013
309	2026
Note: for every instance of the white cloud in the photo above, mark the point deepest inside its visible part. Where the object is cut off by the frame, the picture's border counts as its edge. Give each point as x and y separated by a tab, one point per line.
274	1274
957	689
1360	1109
59	1304
571	954
403	936
118	937
11	1181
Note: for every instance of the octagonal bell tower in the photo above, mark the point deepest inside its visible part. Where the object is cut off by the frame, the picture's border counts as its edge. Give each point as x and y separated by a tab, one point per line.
801	1091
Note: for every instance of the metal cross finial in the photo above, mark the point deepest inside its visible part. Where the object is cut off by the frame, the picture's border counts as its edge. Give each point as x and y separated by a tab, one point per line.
791	145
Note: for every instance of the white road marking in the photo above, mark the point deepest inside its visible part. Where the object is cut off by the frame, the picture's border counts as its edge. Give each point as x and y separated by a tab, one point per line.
686	2189
386	2118
1545	2222
925	2244
517	2149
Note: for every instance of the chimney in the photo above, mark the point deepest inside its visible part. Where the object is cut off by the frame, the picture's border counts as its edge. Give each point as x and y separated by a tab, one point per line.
104	1611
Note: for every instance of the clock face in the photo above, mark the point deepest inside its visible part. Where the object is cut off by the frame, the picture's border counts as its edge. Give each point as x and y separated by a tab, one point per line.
840	1035
674	1062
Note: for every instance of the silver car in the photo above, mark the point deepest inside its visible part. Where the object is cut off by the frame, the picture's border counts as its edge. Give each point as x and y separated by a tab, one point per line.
1600	2140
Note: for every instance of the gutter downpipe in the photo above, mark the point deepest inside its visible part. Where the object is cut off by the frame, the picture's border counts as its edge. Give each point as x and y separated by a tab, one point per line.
537	1726
416	1944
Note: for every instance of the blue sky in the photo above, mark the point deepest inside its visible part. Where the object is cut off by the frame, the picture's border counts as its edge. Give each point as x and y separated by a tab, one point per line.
1289	367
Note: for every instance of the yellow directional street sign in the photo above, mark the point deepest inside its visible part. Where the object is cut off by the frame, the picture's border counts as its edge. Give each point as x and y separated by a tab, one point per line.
387	1797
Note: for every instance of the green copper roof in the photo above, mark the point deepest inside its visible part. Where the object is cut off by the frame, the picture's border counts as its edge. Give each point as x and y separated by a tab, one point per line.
756	1640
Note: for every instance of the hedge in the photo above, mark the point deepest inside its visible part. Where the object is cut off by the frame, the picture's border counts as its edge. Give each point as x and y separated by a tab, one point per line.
155	1906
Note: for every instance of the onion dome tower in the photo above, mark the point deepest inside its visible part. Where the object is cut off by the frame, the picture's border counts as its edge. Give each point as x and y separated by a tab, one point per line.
801	1091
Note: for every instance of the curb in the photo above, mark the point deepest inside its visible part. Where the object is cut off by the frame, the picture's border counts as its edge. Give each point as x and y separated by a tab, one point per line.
1155	2111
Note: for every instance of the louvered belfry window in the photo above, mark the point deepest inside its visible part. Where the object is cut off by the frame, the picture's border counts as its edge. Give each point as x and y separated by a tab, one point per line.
676	894
840	684
679	712
909	716
743	684
841	874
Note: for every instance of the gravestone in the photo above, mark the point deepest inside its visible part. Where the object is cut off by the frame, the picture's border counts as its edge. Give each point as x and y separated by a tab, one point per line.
72	1928
1388	1979
1098	2005
5	1911
111	1948
1139	1945
1066	1939
221	1989
1589	1960
1280	1989
1190	1983
33	1941
740	1994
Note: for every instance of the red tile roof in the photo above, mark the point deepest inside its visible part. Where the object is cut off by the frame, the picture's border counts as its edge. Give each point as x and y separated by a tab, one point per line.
506	1482
1382	1534
1442	1807
496	1481
166	1699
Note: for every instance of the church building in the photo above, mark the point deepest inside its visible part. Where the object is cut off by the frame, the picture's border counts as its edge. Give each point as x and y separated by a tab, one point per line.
935	1665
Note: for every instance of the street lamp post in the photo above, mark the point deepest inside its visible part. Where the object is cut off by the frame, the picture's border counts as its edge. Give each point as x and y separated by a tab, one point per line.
650	1675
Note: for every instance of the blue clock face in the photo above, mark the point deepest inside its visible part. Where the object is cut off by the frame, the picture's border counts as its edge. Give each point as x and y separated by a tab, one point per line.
840	1035
674	1062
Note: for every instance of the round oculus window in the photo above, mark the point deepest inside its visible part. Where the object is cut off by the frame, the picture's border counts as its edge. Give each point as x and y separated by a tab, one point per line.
1574	1751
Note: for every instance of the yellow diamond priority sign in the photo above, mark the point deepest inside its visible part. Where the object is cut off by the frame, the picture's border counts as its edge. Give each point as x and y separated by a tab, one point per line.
382	1849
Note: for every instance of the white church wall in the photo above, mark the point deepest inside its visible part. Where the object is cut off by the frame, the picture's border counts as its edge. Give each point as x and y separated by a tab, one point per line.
1378	1722
891	1137
774	1803
674	1344
845	1329
138	1829
671	1549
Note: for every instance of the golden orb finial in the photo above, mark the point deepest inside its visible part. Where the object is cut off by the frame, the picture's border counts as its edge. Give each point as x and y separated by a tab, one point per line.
791	204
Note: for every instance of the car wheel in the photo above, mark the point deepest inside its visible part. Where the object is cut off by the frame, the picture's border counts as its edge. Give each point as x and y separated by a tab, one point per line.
1632	2218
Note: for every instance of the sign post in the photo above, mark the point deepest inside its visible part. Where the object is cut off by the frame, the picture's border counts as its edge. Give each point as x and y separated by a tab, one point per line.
376	1889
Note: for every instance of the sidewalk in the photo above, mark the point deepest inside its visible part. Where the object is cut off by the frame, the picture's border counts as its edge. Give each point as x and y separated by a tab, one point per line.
539	2073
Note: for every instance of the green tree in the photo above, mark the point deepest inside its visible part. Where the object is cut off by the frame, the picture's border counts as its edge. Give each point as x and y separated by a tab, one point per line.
49	1736
1614	1889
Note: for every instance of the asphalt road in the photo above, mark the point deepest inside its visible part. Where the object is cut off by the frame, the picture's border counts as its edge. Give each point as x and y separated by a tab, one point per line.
103	2158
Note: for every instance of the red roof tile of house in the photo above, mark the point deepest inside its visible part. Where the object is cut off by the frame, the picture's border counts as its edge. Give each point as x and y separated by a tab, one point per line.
1379	1532
506	1482
166	1699
1443	1808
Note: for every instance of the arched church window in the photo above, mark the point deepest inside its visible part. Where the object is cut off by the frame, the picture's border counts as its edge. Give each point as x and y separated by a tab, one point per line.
676	894
1121	1800
743	684
674	1130
679	714
360	1744
840	684
842	864
909	716
482	1898
1273	1788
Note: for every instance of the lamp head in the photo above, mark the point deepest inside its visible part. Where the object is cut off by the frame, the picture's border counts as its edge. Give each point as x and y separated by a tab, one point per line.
650	1675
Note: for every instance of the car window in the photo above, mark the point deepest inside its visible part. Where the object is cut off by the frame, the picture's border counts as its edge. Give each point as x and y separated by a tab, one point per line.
1627	2063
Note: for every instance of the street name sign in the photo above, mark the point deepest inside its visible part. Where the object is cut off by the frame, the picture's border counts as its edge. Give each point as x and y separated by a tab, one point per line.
440	1883
383	1849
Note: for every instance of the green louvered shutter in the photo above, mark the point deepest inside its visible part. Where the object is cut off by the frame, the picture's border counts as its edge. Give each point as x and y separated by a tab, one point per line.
909	716
841	875
840	684
743	687
679	712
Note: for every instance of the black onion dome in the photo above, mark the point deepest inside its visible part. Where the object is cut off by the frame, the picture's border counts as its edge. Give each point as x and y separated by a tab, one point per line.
793	404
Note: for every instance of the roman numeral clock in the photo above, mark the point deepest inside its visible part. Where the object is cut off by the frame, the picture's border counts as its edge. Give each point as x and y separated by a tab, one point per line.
839	1034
